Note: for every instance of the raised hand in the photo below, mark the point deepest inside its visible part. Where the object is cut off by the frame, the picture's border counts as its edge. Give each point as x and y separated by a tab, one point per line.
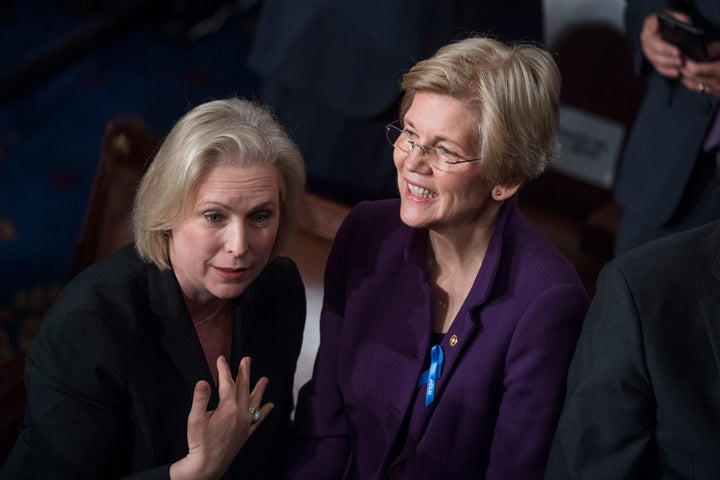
215	437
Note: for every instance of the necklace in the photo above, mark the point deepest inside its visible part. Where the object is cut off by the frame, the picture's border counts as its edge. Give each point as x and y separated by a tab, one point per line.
213	315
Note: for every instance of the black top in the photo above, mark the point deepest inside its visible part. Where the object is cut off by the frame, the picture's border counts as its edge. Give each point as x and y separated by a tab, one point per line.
110	376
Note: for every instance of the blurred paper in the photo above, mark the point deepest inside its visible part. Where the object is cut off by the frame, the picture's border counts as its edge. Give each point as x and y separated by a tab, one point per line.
589	146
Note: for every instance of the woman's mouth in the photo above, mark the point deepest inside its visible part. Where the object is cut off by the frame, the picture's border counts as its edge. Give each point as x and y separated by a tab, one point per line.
420	191
231	273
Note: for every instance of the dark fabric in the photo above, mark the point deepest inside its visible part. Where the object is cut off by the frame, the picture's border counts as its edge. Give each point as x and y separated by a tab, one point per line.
110	376
643	396
700	204
331	71
506	357
666	141
349	56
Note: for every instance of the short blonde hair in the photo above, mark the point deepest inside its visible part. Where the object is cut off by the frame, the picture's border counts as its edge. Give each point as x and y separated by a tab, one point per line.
514	92
231	132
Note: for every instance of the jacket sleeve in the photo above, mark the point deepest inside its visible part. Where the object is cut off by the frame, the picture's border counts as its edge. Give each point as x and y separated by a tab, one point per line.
77	407
274	335
535	375
320	443
635	14
607	425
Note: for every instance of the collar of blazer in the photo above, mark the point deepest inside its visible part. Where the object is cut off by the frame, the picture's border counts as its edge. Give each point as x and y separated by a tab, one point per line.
179	338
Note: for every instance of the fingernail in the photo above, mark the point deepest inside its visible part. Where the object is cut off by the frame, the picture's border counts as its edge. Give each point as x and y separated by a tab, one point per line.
202	387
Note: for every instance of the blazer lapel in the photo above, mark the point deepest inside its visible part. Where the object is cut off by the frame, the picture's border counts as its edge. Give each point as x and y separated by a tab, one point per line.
466	326
179	340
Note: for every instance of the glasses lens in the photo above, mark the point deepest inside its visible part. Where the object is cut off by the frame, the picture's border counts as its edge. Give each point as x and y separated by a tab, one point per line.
437	159
393	134
433	159
429	155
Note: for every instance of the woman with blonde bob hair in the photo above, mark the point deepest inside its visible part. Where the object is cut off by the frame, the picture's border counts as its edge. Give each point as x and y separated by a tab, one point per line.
227	131
448	321
142	366
512	93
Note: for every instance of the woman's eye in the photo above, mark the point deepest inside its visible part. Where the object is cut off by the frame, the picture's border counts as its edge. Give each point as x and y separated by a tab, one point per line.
260	218
213	217
445	152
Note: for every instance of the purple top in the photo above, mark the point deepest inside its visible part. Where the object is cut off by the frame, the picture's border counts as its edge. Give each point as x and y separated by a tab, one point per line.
506	357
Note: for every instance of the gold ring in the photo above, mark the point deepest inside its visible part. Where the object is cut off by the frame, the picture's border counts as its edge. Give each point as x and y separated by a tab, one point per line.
701	87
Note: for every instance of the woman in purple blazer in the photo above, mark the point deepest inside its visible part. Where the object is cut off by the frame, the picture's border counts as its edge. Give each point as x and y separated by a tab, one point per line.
448	322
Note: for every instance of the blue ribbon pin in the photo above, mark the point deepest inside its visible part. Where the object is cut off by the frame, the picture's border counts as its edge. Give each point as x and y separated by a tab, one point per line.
430	375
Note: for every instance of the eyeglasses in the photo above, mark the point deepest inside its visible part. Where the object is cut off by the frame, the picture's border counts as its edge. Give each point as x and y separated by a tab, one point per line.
439	158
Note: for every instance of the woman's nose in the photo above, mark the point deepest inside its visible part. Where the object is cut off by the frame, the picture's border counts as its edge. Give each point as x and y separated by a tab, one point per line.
236	240
416	160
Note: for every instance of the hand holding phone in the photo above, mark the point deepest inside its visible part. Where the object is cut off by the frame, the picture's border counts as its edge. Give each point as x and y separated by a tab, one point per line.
688	38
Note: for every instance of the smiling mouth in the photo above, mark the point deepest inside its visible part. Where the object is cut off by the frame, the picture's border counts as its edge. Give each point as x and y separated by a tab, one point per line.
421	192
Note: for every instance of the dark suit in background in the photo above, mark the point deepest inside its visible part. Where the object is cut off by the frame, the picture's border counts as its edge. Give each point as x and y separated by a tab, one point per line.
643	396
331	71
111	374
666	182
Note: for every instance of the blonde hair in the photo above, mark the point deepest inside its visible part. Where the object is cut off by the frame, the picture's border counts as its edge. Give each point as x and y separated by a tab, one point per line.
514	93
231	132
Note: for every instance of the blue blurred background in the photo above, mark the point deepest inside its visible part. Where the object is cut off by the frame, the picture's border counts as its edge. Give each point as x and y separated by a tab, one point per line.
101	60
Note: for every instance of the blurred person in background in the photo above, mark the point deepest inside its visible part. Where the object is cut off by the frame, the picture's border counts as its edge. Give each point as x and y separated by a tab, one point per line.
667	180
330	70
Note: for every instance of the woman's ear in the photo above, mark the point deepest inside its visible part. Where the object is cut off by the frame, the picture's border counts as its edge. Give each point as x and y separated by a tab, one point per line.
503	192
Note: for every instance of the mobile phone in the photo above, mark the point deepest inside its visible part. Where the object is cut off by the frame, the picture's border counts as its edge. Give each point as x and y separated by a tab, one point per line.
688	38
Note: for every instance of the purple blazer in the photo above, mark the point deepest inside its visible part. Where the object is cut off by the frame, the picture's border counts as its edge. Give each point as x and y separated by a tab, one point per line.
507	353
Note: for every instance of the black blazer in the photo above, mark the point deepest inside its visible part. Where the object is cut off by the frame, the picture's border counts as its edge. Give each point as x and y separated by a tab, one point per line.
670	128
643	397
110	375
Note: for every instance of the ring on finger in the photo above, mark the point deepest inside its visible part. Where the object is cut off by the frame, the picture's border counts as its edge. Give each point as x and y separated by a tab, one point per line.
256	415
701	87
